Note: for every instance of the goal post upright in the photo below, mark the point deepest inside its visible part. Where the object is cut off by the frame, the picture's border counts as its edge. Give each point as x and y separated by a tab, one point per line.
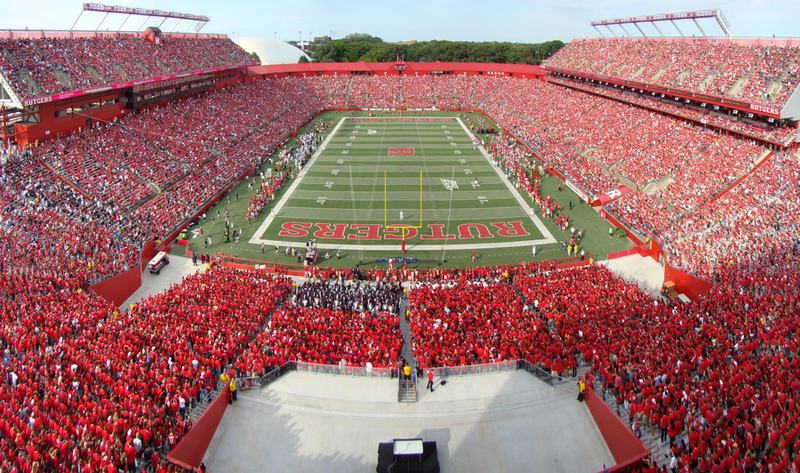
402	226
385	201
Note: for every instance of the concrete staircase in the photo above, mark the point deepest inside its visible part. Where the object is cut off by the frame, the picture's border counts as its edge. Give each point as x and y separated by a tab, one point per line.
200	406
651	438
120	70
95	74
658	74
738	86
63	78
31	85
710	78
407	392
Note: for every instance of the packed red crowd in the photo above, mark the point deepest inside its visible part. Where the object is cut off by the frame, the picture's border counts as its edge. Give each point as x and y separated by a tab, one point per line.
754	72
599	142
705	116
760	213
326	322
325	336
89	385
159	166
474	321
49	230
716	376
47	66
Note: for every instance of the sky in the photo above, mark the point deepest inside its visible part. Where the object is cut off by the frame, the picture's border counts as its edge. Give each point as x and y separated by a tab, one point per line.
402	20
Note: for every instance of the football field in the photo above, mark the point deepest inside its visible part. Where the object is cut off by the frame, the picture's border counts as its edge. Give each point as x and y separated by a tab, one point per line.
378	181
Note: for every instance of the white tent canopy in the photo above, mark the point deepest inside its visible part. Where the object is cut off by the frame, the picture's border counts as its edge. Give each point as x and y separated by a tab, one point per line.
271	51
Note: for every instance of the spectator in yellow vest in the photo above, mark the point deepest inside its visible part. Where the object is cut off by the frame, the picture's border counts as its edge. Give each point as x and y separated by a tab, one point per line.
232	387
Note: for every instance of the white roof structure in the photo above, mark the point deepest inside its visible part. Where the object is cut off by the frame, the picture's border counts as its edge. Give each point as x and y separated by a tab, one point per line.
271	51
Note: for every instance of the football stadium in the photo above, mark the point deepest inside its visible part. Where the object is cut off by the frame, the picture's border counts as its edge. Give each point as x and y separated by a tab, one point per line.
342	254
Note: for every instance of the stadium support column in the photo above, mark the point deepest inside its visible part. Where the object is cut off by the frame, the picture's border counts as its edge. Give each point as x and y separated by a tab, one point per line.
3	123
699	27
676	27
656	27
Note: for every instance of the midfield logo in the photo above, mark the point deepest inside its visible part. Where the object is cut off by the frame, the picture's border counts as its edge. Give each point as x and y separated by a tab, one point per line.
401	152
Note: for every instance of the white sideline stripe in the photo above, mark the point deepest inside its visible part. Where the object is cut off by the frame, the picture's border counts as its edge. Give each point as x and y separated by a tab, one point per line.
257	240
538	223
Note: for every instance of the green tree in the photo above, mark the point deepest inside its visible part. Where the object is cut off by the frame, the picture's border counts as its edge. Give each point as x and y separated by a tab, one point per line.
364	47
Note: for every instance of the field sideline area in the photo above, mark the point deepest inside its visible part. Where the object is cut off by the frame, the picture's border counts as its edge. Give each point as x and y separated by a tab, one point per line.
375	181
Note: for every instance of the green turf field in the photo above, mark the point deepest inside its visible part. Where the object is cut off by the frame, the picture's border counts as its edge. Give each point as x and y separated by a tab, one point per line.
376	179
368	171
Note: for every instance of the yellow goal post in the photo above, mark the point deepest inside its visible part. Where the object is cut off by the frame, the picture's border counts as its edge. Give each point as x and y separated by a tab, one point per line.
404	226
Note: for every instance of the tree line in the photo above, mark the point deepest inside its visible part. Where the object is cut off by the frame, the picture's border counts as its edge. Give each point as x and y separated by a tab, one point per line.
363	47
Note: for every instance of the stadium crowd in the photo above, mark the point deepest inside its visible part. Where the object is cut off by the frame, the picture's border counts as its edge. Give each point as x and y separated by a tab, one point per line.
92	388
759	213
720	399
474	321
156	168
325	322
740	125
747	70
46	66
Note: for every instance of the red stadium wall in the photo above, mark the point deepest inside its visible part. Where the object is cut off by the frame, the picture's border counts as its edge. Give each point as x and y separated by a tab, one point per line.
627	450
685	283
148	252
396	68
189	452
50	126
118	288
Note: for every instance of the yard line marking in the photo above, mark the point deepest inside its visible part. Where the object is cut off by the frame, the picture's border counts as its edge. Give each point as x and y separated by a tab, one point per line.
377	171
256	238
449	184
548	237
427	173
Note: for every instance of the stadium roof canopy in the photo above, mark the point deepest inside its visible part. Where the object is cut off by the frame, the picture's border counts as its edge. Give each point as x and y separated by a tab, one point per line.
271	51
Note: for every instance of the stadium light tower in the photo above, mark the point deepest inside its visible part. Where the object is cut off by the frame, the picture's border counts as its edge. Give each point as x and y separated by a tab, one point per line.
673	18
198	21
